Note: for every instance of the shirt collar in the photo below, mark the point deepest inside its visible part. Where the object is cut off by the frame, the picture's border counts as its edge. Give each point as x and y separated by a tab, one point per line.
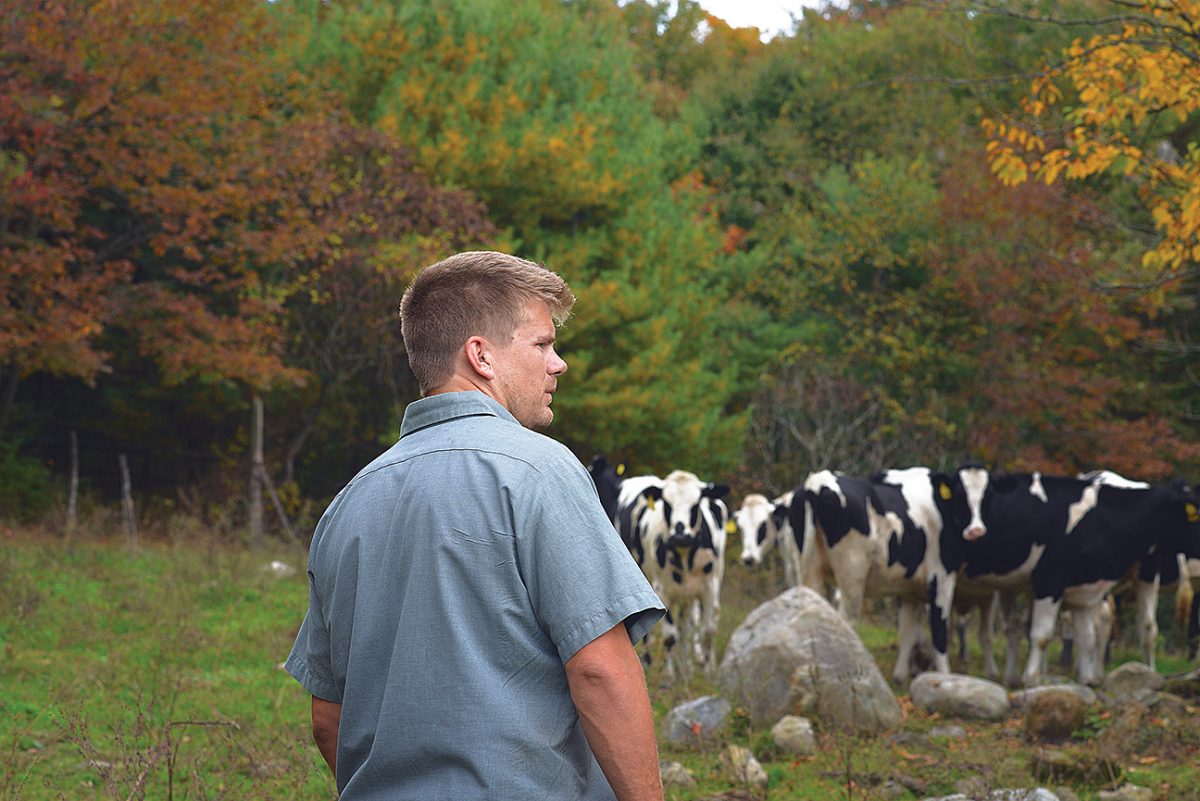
450	406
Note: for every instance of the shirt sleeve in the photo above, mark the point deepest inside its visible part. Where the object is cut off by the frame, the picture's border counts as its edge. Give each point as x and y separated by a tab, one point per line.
310	660
581	579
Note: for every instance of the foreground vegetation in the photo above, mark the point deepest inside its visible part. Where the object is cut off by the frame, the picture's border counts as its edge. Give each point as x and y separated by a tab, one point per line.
155	673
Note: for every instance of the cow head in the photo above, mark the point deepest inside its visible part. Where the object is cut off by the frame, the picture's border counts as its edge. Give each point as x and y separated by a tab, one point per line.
690	509
960	498
759	521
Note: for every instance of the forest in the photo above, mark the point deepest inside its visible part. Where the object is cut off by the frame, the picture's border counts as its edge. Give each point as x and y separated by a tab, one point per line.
906	233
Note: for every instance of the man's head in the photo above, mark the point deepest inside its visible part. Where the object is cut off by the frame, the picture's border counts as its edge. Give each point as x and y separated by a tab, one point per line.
485	320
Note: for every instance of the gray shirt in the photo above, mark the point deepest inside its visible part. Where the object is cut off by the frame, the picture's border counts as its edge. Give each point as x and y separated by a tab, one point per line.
449	583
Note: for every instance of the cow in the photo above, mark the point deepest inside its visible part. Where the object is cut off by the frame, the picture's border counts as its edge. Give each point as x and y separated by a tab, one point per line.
897	533
607	478
1071	540
676	530
763	525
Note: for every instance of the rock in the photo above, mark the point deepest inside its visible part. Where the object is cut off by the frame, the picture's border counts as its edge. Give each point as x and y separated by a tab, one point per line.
1052	716
952	732
1129	679
1065	794
796	655
1068	766
742	766
1036	794
696	720
675	775
1185	685
960	696
1022	698
794	735
1127	792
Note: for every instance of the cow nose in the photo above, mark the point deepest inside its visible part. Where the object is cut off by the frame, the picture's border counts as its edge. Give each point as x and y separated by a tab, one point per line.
749	560
974	533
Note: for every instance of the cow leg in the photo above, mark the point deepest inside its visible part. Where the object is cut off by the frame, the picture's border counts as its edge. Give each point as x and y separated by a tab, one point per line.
670	634
909	629
1014	627
1085	622
987	625
1041	632
1146	599
1193	628
709	621
1106	615
941	601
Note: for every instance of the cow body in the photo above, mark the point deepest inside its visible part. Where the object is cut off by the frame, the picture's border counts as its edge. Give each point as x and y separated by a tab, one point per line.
1070	541
675	528
894	534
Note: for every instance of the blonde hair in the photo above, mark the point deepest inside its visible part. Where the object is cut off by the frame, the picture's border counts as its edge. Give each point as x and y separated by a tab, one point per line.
474	293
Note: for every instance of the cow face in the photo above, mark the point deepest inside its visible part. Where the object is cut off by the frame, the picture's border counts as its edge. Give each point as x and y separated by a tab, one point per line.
960	497
682	500
755	522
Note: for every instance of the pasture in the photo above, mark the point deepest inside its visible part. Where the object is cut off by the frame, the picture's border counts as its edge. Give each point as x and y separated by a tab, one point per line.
155	674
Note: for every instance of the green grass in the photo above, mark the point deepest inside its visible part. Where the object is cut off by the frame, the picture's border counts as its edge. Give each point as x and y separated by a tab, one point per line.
155	674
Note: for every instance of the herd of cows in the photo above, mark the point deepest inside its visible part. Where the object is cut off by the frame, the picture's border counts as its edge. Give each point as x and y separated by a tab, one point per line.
942	543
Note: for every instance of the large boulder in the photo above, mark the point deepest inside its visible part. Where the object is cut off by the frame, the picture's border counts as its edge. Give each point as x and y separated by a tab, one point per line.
959	696
796	655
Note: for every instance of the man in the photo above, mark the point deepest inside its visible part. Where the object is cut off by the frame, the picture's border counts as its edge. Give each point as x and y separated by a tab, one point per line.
472	613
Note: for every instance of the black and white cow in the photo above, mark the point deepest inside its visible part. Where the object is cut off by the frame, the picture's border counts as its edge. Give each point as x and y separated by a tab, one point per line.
763	525
1071	540
676	529
899	533
607	478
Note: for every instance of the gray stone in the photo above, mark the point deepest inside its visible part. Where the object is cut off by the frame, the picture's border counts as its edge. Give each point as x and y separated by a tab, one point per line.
1131	680
960	696
675	775
1022	698
953	731
796	655
1036	794
696	720
1127	792
742	766
795	735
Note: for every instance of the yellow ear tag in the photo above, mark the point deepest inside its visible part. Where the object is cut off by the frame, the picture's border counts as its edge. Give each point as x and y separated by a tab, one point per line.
944	491
649	503
1193	514
730	527
621	469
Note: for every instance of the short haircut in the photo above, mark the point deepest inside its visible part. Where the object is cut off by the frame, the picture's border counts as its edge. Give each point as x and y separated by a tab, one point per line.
474	293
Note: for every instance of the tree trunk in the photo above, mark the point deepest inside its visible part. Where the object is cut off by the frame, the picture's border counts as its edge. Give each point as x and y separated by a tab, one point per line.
10	376
127	501
73	485
256	474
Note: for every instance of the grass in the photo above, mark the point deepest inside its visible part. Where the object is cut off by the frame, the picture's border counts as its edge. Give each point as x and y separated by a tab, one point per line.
155	674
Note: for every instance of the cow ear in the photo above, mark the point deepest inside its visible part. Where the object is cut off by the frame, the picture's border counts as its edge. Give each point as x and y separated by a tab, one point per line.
779	514
652	493
715	490
941	484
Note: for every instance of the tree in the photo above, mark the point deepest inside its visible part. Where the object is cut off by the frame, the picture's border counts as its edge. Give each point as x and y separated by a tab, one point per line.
1129	98
141	190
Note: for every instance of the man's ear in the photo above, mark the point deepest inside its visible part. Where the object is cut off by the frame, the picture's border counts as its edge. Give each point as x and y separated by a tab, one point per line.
479	355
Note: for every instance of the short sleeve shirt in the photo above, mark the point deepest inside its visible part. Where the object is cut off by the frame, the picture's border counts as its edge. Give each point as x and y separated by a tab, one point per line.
450	581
